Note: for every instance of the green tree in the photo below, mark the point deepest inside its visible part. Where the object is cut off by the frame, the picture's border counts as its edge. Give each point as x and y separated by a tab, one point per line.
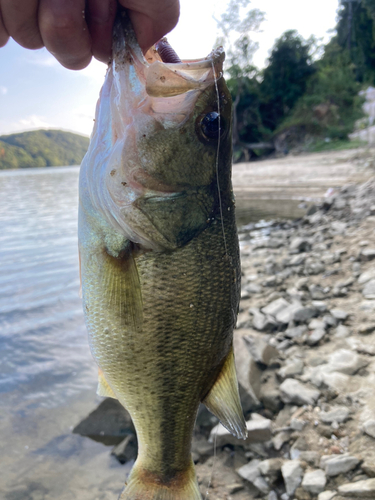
236	25
285	78
331	104
355	34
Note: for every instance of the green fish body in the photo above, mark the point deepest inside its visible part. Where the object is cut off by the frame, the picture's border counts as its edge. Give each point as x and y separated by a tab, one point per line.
159	255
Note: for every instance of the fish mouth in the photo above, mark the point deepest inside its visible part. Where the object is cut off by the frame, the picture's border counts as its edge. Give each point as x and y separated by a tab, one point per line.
160	69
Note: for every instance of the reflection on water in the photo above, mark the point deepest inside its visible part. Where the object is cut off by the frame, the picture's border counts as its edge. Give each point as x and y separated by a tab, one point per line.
47	377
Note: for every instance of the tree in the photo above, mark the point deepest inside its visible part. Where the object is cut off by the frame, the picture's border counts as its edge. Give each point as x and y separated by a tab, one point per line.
236	25
285	78
355	34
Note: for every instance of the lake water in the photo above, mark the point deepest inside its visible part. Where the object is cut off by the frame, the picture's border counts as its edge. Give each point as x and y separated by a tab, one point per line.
47	375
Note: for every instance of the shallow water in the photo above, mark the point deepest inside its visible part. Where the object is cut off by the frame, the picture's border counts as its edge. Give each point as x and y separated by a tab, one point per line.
47	375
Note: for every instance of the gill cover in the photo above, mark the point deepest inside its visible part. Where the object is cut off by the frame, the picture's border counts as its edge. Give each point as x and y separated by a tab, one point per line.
145	104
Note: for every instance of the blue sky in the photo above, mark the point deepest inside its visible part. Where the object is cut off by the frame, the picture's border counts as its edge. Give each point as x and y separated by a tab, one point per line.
36	92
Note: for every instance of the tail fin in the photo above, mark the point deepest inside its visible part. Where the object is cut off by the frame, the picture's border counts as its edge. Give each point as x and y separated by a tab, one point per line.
144	485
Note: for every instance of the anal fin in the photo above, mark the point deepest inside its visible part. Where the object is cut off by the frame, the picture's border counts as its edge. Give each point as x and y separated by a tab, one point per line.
223	400
104	388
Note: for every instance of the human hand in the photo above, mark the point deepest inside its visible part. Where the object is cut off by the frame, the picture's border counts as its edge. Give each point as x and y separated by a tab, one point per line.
74	30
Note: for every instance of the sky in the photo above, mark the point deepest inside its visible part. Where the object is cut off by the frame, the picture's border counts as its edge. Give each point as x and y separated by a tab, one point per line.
36	92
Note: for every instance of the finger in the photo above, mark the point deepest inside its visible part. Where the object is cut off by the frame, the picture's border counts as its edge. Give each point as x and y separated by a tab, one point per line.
100	17
20	19
4	37
152	19
64	31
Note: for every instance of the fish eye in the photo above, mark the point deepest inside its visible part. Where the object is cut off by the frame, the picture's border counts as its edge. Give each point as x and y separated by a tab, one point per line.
212	125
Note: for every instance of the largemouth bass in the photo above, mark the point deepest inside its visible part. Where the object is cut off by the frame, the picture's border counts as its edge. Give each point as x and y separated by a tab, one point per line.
159	256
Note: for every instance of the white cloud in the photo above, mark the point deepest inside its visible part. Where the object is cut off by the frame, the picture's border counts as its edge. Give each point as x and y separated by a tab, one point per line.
28	123
3	90
42	58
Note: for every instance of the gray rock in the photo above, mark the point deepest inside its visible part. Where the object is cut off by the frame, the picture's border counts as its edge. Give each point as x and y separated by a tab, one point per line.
258	430
303	314
361	347
345	361
286	315
292	367
319	305
297	424
127	450
360	489
366	328
367	254
327	495
250	472
297	393
337	414
202	448
311	457
295	332
302	283
315	336
263	323
317	323
300	245
271	468
330	258
252	289
339	314
109	421
276	306
248	373
366	276
338	464
330	321
280	439
342	332
292	474
297	260
369	290
272	495
269	393
260	351
314	267
314	481
369	428
338	227
298	447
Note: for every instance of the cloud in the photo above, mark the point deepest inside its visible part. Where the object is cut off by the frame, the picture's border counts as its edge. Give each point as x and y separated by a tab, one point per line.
42	58
3	90
28	123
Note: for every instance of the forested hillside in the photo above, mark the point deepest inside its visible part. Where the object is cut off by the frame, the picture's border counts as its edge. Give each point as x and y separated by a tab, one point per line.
306	97
42	148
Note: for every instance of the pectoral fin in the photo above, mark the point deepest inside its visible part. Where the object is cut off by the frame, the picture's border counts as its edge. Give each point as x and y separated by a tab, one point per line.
223	400
104	388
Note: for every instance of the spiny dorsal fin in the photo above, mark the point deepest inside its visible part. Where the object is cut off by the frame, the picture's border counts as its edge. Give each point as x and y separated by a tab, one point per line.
223	400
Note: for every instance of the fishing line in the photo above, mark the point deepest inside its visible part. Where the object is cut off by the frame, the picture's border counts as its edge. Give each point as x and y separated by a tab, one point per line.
213	464
217	159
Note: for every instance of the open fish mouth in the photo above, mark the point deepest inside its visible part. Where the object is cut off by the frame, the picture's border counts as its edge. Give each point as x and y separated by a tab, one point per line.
160	69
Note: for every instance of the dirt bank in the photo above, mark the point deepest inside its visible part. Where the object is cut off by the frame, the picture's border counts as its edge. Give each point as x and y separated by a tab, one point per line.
303	176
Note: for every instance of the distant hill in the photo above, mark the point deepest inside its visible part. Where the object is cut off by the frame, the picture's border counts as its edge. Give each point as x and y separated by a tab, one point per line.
42	148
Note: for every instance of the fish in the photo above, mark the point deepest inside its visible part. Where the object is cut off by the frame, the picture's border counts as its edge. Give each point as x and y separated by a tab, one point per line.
159	255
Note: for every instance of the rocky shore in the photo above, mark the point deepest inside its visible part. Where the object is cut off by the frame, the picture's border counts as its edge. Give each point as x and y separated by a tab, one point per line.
305	355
